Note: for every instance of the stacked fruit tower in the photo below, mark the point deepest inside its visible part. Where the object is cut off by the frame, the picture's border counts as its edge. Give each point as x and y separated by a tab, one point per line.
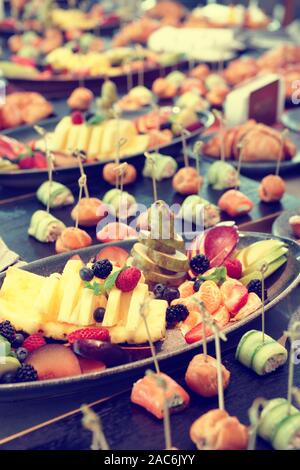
160	252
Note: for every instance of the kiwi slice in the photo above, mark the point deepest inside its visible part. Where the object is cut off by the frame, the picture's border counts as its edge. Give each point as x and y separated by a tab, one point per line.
175	263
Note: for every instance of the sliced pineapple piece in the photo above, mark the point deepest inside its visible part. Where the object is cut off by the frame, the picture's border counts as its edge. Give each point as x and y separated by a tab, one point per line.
47	302
69	290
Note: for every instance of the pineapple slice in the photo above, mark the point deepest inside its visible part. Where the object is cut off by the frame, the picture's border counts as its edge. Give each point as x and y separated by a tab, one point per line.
47	302
73	138
21	314
156	321
60	135
84	137
20	285
69	290
134	312
94	150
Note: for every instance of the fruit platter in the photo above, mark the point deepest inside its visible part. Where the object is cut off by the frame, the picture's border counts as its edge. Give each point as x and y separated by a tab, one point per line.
23	161
86	324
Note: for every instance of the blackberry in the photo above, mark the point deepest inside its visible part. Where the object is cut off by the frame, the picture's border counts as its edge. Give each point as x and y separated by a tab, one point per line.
102	268
256	286
7	331
197	285
26	373
99	314
170	293
86	274
199	264
8	378
176	313
158	291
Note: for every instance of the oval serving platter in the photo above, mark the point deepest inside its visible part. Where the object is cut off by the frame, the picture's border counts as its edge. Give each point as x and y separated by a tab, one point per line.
31	179
261	168
61	87
281	226
280	284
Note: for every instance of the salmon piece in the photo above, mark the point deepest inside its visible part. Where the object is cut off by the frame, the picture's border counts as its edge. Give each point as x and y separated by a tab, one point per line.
201	376
72	239
216	430
235	203
148	394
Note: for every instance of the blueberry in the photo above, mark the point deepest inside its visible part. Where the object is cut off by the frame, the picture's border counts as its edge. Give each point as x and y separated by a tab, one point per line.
197	285
18	341
86	274
99	314
22	354
158	291
171	293
8	378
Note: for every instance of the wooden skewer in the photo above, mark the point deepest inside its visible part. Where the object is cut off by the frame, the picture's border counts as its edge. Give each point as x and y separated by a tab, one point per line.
151	159
121	170
218	334
254	417
80	156
263	271
184	134
92	422
152	348
128	71
140	70
221	119
241	146
281	153
43	133
82	184
198	154
292	333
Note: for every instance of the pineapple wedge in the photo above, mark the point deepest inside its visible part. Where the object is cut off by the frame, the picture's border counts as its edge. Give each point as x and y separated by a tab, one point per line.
47	302
21	315
134	313
69	290
94	150
156	320
60	135
20	285
84	137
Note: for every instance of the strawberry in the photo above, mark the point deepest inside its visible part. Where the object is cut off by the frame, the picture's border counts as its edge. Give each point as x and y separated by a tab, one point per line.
234	296
33	342
128	279
101	334
234	268
39	160
196	333
77	118
26	163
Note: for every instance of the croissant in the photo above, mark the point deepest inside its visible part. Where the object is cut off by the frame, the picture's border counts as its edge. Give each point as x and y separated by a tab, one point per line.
72	238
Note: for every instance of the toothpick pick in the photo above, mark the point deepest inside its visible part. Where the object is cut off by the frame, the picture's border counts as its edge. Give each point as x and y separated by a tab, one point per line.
141	69
221	120
120	142
184	134
166	415
152	348
120	171
128	71
197	150
281	153
80	156
241	155
43	133
218	334
292	333
92	422
263	271
254	417
151	159
156	109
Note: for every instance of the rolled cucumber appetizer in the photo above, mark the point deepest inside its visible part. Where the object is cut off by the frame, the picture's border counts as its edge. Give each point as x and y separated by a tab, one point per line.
287	433
272	416
261	356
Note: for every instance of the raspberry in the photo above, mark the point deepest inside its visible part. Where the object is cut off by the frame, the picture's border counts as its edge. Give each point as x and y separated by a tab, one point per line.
128	279
101	334
77	118
234	268
34	342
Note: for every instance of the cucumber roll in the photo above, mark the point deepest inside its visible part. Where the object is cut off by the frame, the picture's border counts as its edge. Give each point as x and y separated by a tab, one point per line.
287	433
261	357
272	415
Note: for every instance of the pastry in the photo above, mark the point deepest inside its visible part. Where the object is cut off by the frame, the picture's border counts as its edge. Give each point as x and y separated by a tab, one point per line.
271	189
222	175
60	195
89	211
110	174
44	227
121	203
81	99
164	167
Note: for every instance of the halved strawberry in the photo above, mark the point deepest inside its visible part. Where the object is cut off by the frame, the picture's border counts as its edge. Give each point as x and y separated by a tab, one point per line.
196	333
234	296
116	255
101	334
26	163
39	160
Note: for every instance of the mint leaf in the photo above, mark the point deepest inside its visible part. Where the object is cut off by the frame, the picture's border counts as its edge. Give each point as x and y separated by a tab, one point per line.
96	119
218	275
97	288
111	280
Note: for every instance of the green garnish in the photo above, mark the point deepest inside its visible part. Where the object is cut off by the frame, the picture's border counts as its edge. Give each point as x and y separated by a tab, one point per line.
218	275
97	288
109	283
96	119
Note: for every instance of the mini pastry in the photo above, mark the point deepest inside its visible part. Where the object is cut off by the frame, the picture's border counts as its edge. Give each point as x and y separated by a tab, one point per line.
192	99
187	181
222	175
201	72
60	195
294	222
261	357
217	430
72	238
89	211
116	231
138	97
81	99
235	203
122	204
271	189
110	175
201	376
44	227
165	167
192	207
164	88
